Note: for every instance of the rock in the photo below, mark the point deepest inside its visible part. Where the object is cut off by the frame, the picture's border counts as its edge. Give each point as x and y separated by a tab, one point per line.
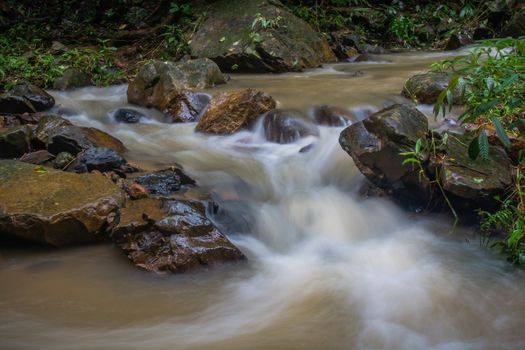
164	182
232	111
458	40
98	158
375	145
333	116
25	98
128	115
370	49
476	181
136	191
63	160
38	157
516	25
286	126
100	138
234	36
57	46
164	85
61	136
15	141
47	125
426	87
168	235
71	78
55	207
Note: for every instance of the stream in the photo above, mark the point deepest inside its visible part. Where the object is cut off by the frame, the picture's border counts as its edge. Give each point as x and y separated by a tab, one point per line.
327	268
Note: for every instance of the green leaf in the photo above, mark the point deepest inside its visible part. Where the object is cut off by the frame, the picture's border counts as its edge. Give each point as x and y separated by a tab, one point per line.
473	148
410	161
40	169
419	142
222	39
439	102
500	131
449	100
483	141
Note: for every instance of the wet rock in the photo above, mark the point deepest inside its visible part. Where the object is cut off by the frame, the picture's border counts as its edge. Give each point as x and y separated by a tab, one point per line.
128	115
8	121
477	180
68	138
98	158
100	138
426	87
165	85
333	116
55	207
286	126
15	141
38	157
47	125
187	107
25	98
164	182
226	36
136	191
364	48
71	78
458	40
171	236
63	160
232	111
364	57
375	145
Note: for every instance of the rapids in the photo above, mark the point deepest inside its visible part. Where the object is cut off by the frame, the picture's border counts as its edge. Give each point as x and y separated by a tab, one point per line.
327	269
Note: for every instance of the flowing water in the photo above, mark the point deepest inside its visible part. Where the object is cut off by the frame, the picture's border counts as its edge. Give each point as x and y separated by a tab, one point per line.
327	269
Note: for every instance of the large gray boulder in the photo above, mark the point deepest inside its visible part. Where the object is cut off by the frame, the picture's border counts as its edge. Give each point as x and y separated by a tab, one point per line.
258	36
426	87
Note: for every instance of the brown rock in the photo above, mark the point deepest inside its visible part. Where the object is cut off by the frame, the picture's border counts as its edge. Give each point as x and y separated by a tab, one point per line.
136	191
234	110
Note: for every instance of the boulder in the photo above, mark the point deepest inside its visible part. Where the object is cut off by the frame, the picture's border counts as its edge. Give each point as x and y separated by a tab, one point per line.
258	36
364	57
25	98
15	141
476	181
165	85
55	207
187	107
71	78
232	111
171	236
286	126
59	135
458	40
375	145
164	182
128	115
333	116
98	158
426	87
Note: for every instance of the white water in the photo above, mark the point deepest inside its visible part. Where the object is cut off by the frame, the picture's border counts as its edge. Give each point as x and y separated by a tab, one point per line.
328	269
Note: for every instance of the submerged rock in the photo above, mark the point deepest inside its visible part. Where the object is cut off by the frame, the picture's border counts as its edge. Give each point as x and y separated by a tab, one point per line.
98	158
15	141
25	98
187	107
333	116
232	111
286	126
128	115
171	235
71	78
233	35
164	182
426	87
55	207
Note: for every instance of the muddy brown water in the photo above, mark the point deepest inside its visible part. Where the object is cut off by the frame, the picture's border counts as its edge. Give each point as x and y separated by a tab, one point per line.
327	268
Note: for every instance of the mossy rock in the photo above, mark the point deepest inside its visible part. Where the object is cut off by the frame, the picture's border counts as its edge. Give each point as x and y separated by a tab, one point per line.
229	38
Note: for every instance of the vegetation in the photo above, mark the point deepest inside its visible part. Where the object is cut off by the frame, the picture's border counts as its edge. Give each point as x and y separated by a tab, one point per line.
492	83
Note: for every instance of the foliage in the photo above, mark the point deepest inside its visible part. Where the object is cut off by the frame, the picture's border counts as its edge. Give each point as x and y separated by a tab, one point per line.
403	28
41	66
492	84
509	219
